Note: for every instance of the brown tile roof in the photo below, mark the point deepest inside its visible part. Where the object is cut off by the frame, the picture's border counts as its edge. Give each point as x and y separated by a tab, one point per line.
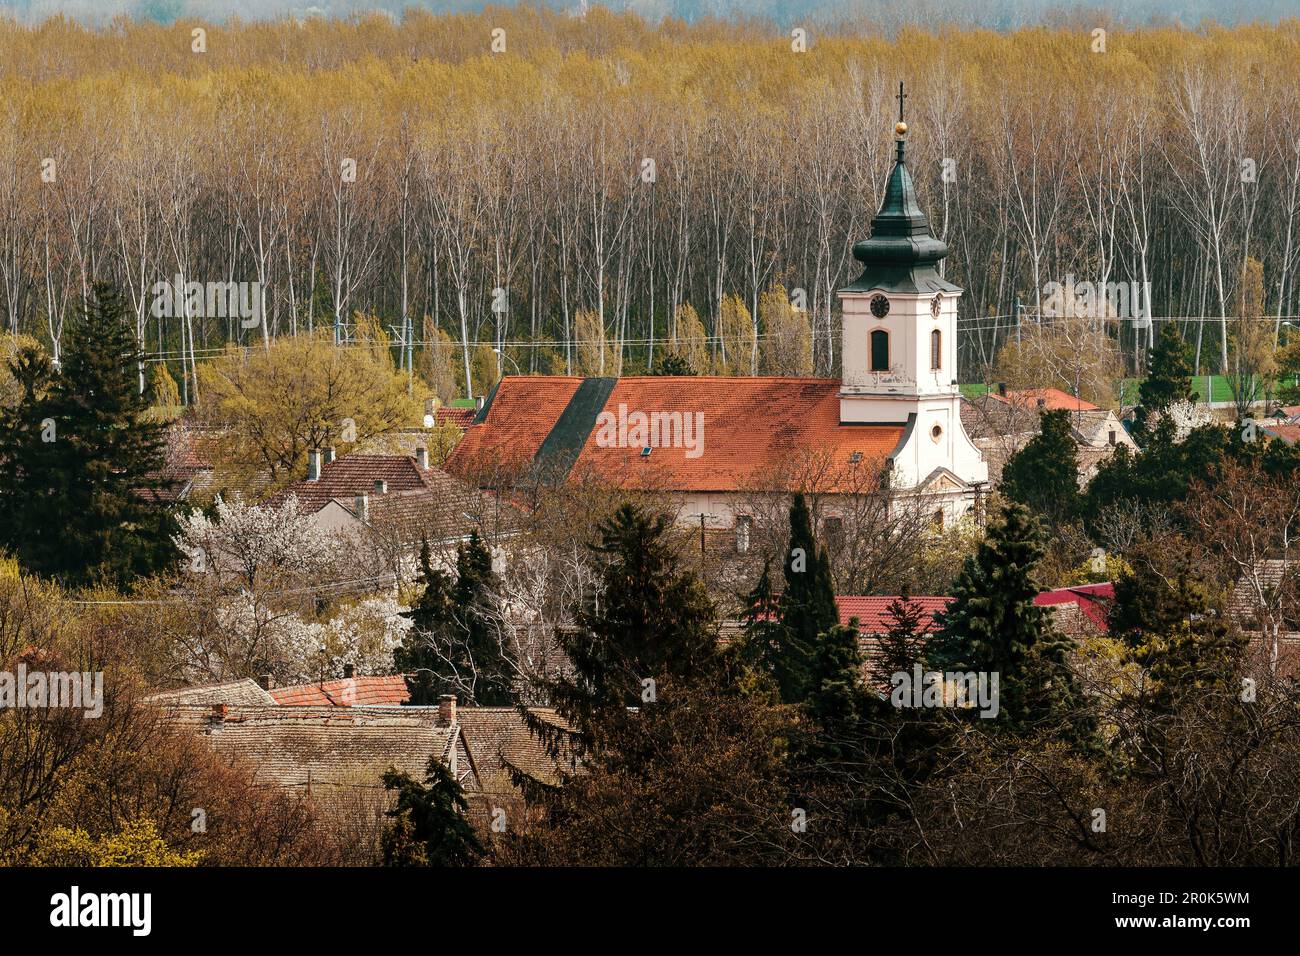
389	690
448	508
325	752
1243	603
351	475
235	692
497	736
751	426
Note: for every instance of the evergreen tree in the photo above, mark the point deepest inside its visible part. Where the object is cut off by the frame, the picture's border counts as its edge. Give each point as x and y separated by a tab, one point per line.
645	621
1169	375
1044	474
768	645
427	825
454	635
808	603
835	698
1164	470
475	584
82	461
671	363
900	646
433	619
993	625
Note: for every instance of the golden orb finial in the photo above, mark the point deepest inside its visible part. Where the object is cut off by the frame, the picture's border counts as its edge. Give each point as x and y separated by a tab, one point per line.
900	128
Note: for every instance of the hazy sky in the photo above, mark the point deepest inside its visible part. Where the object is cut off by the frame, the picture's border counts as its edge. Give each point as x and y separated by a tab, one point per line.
991	13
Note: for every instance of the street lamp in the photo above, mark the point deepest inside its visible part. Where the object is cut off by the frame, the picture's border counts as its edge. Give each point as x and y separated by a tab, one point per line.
509	359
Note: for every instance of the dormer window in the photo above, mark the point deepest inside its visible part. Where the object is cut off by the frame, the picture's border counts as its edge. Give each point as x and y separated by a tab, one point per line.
879	350
936	350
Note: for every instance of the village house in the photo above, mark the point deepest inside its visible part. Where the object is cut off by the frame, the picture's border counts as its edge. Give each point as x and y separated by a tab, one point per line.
709	442
332	740
395	503
1002	421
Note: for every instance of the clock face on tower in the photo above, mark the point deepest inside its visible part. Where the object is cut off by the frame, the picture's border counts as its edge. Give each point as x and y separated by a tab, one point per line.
879	306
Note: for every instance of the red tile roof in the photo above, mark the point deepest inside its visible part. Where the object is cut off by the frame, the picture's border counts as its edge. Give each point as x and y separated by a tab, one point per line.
522	413
873	612
1093	600
751	426
460	417
345	692
1053	399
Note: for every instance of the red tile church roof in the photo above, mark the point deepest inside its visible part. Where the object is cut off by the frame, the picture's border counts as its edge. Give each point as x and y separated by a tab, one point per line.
751	426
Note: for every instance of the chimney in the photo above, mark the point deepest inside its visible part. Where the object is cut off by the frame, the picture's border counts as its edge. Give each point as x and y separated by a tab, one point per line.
363	507
478	404
219	712
422	458
447	709
313	465
1041	402
1002	389
381	486
329	454
265	681
348	671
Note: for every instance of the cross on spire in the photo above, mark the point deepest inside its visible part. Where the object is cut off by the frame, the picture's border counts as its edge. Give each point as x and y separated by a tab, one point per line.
901	96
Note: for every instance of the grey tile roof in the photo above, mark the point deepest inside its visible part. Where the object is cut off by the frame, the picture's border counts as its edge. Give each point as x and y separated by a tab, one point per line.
240	692
325	752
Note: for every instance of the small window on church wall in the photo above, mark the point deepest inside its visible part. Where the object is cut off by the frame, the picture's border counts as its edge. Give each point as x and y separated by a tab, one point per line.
833	529
879	350
936	350
937	520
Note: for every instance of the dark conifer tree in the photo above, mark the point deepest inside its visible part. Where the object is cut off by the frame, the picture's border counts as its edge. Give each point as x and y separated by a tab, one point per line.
768	646
80	462
993	626
1169	372
901	646
427	826
808	602
1044	474
835	698
646	623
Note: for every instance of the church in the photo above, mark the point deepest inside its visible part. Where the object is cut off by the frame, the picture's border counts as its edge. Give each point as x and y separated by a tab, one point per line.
712	442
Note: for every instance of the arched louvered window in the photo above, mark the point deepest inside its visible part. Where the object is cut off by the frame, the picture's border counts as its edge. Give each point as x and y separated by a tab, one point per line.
936	350
879	350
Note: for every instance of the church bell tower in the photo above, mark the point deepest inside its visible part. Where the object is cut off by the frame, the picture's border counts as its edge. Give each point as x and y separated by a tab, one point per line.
899	347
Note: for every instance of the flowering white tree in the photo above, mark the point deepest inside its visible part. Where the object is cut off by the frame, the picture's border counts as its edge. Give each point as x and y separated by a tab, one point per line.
245	544
259	577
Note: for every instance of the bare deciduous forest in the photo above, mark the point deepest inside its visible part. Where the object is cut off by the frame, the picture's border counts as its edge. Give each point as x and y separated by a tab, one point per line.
602	187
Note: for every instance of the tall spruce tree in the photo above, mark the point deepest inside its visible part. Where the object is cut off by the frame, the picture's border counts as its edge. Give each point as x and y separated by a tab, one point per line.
1169	372
427	825
768	646
835	697
646	622
808	602
433	619
80	461
1044	474
993	625
454	635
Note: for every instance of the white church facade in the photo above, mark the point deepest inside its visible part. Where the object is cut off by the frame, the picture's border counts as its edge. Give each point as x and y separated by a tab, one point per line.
896	406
